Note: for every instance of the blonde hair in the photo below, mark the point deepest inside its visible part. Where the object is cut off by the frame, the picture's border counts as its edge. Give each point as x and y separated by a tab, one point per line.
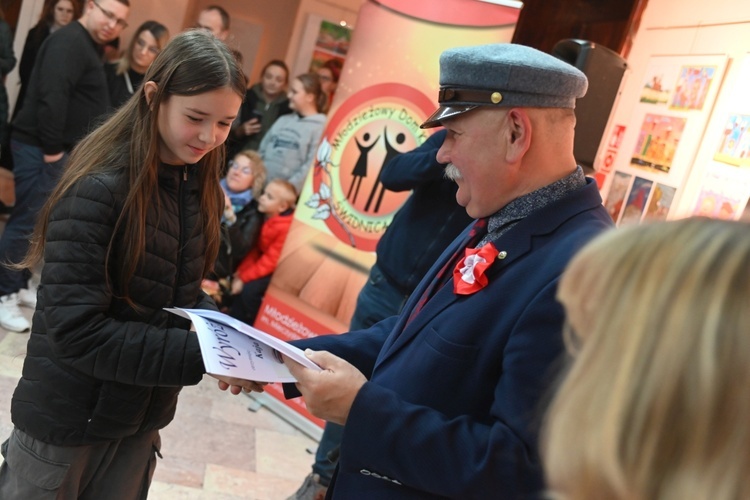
655	405
291	192
258	168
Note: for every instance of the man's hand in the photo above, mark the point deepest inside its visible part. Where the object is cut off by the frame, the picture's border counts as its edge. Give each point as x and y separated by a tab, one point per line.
329	393
237	385
53	158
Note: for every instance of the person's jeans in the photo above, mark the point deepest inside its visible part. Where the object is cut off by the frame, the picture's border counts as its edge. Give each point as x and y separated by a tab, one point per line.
34	180
246	305
377	300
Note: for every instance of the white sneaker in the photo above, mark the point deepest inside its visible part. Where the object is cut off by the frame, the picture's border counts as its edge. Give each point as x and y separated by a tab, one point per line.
27	296
11	317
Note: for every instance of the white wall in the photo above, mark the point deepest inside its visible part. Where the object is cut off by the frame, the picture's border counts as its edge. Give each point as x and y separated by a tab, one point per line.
685	28
307	24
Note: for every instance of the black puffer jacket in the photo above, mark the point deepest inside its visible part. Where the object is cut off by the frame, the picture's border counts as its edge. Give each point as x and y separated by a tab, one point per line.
96	369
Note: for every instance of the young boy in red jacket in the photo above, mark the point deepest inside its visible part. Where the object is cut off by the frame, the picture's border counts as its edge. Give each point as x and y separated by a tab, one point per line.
254	272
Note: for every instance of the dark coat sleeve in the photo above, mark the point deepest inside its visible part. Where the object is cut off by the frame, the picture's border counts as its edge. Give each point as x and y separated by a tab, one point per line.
81	331
414	168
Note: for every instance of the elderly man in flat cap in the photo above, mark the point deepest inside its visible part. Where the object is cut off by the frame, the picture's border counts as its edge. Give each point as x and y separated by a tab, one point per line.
444	400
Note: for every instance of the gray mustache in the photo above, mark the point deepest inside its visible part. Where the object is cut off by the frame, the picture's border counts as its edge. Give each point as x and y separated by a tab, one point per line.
451	172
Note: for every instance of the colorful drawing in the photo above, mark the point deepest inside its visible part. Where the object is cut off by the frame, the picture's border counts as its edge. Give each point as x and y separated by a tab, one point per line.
657	142
617	192
334	38
706	204
735	142
636	204
659	203
320	57
654	91
692	87
724	191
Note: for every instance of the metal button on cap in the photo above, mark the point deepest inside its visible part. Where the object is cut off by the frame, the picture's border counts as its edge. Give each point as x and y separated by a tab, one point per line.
496	97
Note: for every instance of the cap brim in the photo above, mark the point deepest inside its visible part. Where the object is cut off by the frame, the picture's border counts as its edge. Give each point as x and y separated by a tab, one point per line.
443	113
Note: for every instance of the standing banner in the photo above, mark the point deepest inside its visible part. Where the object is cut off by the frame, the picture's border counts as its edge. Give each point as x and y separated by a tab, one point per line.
388	87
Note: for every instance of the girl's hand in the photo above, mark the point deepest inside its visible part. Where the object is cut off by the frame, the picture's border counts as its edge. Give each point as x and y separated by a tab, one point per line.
237	385
229	214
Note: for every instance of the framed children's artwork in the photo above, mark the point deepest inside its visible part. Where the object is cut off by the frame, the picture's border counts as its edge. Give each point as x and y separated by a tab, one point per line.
724	192
719	186
619	189
636	204
328	40
671	108
332	43
659	203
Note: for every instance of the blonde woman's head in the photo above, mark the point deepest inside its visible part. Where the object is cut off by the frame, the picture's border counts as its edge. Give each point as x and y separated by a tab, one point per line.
247	171
655	404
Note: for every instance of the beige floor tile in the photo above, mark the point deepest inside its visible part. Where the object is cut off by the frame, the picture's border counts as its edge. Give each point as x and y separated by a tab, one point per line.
244	484
215	449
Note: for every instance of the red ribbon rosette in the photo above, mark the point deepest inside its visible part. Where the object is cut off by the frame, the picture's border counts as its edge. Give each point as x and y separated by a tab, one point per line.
468	276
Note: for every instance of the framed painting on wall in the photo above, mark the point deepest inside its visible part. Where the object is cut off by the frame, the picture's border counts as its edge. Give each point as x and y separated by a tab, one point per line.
719	186
673	105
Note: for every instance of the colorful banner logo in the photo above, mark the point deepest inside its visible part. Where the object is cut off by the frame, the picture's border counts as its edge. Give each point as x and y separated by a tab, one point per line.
368	130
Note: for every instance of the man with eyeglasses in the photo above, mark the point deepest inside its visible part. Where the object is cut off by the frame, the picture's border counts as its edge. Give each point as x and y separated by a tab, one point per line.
66	93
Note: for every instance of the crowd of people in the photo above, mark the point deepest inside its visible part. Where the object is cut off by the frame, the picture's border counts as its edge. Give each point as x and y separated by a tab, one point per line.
66	100
509	342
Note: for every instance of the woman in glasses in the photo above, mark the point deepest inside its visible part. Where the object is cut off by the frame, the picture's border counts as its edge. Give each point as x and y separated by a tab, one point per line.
126	74
241	221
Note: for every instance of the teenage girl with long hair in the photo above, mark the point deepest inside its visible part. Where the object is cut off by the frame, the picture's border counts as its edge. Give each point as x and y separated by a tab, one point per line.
131	228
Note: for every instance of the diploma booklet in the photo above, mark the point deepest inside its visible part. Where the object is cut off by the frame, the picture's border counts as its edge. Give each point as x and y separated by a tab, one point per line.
234	349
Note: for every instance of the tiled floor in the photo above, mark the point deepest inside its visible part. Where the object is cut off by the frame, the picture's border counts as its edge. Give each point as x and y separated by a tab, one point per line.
215	449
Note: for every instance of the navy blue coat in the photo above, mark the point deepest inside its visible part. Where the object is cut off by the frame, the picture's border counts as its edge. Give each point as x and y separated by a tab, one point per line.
454	398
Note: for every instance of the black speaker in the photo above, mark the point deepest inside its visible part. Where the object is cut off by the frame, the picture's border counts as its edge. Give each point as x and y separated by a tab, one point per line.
604	68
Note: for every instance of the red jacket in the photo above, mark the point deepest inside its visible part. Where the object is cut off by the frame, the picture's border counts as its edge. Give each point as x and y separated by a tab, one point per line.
263	257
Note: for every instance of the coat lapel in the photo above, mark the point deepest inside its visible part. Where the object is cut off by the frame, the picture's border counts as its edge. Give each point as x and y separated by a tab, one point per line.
512	245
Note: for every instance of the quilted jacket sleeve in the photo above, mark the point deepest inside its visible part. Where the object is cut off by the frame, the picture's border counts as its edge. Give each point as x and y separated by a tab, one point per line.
82	330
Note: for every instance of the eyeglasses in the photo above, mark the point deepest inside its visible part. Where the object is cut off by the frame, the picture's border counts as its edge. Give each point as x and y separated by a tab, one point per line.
235	166
122	23
142	44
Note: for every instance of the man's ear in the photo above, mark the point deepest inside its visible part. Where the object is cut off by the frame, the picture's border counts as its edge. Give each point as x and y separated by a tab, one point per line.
518	134
149	90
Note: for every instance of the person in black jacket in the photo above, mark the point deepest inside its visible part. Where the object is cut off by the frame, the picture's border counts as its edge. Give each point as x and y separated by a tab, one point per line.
55	15
264	103
68	91
7	63
132	228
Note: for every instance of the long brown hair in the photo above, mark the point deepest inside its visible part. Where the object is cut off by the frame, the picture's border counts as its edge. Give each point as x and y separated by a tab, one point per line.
48	11
194	62
311	84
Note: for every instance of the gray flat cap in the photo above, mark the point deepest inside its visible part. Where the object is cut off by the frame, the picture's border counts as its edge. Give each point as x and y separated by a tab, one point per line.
504	75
